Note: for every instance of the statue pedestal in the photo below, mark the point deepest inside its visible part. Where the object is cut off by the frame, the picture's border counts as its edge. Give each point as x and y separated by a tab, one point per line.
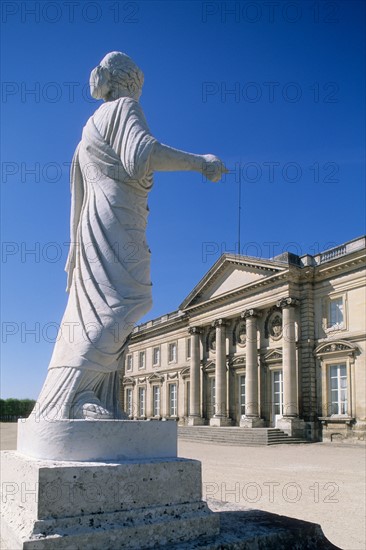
133	503
96	440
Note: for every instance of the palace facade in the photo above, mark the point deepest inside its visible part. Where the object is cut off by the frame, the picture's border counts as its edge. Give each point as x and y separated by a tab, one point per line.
260	343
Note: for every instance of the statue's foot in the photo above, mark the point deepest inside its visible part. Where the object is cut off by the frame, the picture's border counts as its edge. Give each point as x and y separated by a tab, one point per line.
95	412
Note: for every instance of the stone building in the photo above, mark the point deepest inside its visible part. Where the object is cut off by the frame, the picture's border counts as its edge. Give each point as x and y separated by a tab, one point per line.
259	343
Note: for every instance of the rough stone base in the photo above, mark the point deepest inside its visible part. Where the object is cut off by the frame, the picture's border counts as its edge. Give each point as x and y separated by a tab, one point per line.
258	530
246	422
76	505
220	421
293	426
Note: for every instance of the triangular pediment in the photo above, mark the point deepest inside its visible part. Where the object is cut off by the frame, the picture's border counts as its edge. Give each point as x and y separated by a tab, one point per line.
228	274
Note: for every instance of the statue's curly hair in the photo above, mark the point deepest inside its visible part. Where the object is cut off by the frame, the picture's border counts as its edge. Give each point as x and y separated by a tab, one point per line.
116	71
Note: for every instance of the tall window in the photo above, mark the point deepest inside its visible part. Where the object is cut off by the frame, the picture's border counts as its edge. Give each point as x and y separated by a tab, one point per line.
188	399
211	396
129	362
128	405
173	402
277	392
156	356
338	388
142	394
242	394
335	313
156	400
172	352
142	360
188	348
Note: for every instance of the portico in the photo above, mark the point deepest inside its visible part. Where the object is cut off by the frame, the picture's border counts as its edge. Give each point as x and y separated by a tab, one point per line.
242	348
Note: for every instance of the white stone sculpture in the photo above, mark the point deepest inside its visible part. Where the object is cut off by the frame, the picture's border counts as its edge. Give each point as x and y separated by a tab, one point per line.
109	261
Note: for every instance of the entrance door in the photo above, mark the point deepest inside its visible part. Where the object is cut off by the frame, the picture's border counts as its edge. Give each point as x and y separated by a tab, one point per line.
277	396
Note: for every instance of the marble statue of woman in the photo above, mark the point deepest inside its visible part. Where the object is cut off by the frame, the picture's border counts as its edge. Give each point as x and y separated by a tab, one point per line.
108	265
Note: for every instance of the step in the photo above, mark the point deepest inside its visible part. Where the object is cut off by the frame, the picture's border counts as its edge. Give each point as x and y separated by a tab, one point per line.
236	436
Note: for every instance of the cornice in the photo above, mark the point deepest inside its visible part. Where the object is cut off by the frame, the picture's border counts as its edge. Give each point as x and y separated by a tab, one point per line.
160	329
341	264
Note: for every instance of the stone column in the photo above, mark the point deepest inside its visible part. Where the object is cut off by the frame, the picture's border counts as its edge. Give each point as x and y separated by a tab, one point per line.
220	417
195	418
252	416
290	422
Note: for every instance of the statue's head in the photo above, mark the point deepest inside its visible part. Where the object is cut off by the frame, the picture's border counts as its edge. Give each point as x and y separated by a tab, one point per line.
116	76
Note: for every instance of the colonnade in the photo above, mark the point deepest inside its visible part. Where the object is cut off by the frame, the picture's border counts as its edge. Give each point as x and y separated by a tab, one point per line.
252	416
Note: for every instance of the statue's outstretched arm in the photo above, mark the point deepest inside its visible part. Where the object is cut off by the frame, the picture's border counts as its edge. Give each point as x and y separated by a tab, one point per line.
167	159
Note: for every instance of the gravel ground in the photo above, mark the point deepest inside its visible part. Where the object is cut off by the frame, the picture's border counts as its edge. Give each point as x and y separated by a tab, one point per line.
321	483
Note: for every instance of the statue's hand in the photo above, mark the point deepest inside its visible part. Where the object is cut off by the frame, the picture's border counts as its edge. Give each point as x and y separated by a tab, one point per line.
213	168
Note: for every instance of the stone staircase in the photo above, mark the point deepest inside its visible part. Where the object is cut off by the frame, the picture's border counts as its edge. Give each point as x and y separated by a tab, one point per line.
244	437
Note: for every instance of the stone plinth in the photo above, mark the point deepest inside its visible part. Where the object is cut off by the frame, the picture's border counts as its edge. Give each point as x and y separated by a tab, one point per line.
128	505
220	421
94	440
293	426
195	421
254	422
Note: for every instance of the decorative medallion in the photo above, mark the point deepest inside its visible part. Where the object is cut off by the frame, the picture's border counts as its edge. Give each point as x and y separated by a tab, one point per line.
273	325
211	340
240	334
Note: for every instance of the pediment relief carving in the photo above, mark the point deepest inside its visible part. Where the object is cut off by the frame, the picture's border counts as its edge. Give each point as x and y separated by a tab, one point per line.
185	372
273	356
156	378
338	347
239	361
128	381
209	366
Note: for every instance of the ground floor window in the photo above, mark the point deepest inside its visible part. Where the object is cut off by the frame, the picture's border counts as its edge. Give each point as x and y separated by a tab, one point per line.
188	398
277	392
142	394
211	396
173	401
156	400
128	406
338	389
242	394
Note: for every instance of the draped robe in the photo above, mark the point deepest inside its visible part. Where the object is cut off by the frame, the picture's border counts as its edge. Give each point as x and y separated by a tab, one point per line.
108	264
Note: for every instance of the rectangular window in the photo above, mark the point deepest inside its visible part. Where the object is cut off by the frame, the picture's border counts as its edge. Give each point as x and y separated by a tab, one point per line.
173	402
335	313
188	348
129	362
142	360
188	400
211	396
156	400
156	356
142	393
277	393
172	352
242	394
338	389
128	405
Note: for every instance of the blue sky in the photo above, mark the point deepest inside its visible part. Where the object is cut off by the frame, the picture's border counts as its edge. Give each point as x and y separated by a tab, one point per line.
275	89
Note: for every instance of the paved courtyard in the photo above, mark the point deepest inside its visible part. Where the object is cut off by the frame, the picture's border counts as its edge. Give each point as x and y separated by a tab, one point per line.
320	483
